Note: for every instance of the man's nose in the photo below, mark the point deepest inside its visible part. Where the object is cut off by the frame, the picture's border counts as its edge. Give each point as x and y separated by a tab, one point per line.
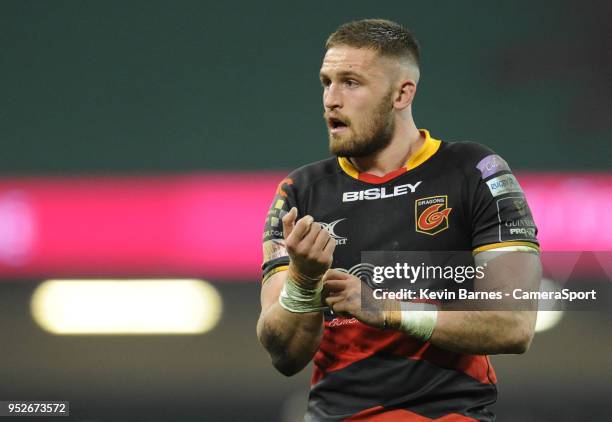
332	98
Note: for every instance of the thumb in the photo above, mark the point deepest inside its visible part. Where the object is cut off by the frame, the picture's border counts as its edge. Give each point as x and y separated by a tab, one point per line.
289	222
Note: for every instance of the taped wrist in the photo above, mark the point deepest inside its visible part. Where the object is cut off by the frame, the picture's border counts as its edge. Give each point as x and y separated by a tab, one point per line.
418	319
300	299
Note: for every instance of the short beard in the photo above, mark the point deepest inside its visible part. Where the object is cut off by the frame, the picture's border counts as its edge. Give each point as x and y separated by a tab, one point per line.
378	134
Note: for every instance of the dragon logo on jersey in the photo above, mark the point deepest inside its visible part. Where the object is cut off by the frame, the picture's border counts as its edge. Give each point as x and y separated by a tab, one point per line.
431	214
330	227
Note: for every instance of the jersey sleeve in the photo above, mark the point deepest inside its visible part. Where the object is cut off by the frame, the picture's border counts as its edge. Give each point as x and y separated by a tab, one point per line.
499	210
275	257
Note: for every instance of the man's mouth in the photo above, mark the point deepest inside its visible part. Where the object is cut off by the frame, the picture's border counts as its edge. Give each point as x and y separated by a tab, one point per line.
336	125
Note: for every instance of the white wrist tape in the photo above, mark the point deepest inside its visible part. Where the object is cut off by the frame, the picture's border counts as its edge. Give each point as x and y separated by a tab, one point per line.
299	299
418	319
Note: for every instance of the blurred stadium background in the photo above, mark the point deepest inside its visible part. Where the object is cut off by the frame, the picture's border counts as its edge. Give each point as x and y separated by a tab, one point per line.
144	140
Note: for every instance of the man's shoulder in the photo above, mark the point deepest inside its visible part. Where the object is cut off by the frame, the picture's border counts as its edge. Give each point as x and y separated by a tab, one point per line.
475	160
469	152
310	173
474	157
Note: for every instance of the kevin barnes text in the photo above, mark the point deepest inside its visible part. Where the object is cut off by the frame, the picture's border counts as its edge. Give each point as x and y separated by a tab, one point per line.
465	294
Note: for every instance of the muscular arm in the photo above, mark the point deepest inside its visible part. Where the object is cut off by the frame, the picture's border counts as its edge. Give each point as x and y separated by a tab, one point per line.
484	332
493	328
291	339
494	331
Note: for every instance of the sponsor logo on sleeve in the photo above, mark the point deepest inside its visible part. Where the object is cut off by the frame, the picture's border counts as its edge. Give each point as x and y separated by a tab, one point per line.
431	214
276	211
504	184
521	206
492	164
515	222
272	233
274	216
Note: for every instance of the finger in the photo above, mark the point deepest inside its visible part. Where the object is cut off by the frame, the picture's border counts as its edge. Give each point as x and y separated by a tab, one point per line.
332	300
311	236
340	308
327	292
335	274
329	248
289	222
335	286
321	240
301	228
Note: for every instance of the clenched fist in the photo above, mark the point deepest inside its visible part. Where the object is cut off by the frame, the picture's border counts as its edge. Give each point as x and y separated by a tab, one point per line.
310	248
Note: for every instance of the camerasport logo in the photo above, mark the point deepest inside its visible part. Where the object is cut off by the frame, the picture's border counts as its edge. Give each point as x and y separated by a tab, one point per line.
431	214
331	229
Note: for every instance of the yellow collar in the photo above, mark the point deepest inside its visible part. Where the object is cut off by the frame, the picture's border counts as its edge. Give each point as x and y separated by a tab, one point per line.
427	150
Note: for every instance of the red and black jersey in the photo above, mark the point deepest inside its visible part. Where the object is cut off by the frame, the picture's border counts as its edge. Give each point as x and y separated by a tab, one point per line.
449	197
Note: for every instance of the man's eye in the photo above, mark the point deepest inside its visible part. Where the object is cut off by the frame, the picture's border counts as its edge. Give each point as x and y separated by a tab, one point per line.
351	83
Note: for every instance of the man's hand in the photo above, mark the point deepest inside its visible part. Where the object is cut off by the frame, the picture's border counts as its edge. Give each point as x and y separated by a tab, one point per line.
343	294
309	246
292	338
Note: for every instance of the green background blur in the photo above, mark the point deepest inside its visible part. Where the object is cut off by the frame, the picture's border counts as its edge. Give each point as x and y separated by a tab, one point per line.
186	85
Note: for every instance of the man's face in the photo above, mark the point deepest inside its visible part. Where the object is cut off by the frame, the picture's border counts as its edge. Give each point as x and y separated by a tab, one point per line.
358	100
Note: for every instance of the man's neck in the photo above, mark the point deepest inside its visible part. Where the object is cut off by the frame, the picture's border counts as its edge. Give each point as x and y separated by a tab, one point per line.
405	143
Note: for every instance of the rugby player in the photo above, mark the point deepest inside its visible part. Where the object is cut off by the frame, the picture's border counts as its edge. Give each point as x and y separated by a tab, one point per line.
390	187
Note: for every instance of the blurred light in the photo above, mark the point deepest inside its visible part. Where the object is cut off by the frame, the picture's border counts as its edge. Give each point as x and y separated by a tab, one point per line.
17	227
126	306
549	312
567	209
547	320
187	224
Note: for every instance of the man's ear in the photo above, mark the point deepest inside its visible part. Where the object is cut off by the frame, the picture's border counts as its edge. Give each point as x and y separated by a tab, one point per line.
405	94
